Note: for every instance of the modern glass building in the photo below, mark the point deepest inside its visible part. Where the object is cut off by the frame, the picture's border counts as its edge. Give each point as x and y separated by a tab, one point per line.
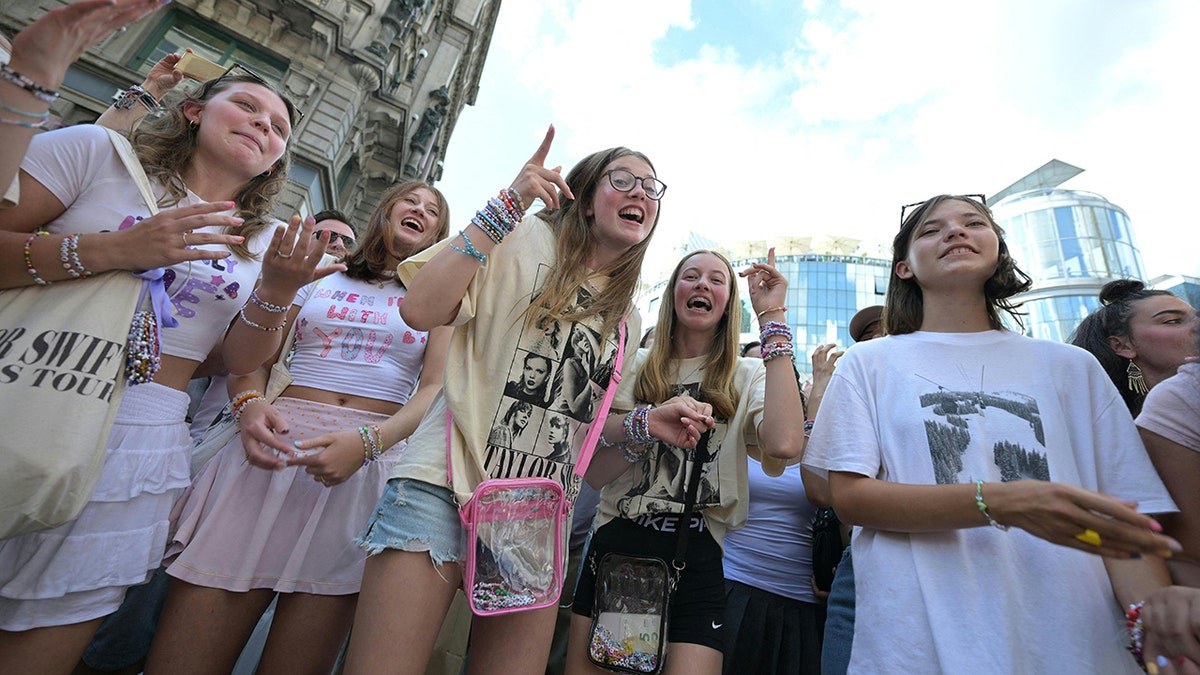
1071	242
824	292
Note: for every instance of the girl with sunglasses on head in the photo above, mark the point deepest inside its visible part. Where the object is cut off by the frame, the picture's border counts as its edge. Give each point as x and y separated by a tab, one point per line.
576	262
997	485
276	510
215	161
749	404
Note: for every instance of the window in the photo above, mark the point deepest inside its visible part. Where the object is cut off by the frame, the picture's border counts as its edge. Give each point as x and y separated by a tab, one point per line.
179	31
309	177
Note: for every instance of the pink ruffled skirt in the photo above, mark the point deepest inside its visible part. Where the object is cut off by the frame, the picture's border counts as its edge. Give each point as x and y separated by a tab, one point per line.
242	528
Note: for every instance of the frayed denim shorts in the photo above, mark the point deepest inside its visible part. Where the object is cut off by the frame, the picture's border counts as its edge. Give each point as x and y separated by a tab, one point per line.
416	516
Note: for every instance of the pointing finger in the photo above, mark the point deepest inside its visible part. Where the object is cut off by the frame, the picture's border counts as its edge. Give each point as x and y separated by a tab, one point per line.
539	157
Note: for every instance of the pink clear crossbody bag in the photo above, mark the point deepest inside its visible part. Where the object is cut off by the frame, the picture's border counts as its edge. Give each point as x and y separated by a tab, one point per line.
515	527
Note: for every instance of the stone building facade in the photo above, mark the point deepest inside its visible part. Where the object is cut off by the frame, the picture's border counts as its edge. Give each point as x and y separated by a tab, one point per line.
381	82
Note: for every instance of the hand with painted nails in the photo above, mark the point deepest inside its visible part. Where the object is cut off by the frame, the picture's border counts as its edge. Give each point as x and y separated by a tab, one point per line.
681	421
1171	620
767	288
169	237
535	181
1077	518
261	426
339	455
47	47
292	260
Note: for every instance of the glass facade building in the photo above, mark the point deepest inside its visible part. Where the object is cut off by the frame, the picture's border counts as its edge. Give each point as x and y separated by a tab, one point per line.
824	292
1071	243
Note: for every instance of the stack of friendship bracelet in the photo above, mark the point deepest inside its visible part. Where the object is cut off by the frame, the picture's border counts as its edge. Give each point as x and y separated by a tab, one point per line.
372	440
143	351
68	255
124	100
241	400
266	307
638	440
39	92
497	220
29	258
772	349
40	119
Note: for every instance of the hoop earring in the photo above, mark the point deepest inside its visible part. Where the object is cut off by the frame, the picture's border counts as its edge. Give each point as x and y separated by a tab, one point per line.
1137	382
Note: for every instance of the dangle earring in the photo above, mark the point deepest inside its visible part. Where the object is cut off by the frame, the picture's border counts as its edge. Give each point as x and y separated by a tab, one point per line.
1137	383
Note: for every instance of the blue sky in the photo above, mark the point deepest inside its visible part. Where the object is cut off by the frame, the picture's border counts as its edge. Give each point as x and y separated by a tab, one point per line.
781	118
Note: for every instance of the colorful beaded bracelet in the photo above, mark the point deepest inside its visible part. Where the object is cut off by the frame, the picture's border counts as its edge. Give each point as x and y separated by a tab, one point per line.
984	509
38	91
258	326
29	258
470	249
264	305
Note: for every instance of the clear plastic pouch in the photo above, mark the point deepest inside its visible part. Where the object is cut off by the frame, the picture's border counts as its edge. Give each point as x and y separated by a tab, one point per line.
515	545
629	614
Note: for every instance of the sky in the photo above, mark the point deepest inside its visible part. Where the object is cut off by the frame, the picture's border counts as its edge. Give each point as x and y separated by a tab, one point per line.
777	118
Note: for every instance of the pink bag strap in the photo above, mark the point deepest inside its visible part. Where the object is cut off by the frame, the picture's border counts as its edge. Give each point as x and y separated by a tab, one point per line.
594	431
597	427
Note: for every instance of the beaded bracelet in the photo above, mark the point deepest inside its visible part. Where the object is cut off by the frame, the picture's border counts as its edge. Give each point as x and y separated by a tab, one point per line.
237	416
470	249
143	348
781	308
772	329
38	91
489	227
41	117
984	509
637	425
634	452
773	350
1136	629
372	440
264	305
258	326
241	398
68	255
507	217
29	258
514	201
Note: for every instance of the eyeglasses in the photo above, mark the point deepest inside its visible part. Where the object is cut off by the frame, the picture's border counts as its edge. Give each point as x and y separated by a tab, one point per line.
238	69
975	198
624	181
347	240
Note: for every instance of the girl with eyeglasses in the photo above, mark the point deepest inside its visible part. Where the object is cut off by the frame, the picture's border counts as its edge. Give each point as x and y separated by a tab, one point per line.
576	262
215	161
997	484
276	510
747	402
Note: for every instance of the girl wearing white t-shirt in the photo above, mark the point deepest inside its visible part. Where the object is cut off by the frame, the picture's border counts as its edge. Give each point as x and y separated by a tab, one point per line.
575	263
977	465
215	160
753	402
277	509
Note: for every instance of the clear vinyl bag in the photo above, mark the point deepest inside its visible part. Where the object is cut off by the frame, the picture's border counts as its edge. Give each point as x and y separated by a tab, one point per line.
514	545
629	614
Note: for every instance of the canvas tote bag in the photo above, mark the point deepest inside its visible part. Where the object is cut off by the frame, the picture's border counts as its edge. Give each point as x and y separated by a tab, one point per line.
62	354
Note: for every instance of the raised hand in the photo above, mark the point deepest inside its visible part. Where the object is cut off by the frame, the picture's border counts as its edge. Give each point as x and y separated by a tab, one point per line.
162	76
292	260
767	287
535	181
824	358
44	49
166	237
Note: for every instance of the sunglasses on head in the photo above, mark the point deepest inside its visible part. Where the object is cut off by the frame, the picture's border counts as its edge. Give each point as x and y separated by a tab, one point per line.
980	199
238	69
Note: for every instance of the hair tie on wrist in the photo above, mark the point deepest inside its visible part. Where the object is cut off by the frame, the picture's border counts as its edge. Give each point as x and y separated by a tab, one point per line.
772	309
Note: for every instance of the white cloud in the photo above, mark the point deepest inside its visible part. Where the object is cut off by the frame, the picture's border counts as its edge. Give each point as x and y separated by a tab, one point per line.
877	104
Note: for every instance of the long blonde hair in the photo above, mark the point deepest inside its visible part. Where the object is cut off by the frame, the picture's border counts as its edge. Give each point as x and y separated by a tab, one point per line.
575	242
717	387
165	147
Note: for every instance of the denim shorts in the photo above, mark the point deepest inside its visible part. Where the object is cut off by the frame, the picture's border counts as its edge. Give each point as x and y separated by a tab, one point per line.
416	516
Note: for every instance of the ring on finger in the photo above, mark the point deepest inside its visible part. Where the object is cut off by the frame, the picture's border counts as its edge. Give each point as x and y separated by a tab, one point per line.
1090	537
185	241
281	255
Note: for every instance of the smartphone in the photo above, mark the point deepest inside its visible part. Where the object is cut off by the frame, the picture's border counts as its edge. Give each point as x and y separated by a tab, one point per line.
199	68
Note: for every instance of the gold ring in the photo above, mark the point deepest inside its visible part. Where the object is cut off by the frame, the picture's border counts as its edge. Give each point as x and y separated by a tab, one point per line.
1089	536
283	256
185	244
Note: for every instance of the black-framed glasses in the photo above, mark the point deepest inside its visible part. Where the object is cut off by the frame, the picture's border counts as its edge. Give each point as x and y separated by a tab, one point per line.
242	70
623	180
347	240
982	199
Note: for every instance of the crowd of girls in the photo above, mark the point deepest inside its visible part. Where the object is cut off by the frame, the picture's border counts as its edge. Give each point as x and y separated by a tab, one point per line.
987	473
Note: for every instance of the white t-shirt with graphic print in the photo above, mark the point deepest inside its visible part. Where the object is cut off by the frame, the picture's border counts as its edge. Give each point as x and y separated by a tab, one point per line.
943	408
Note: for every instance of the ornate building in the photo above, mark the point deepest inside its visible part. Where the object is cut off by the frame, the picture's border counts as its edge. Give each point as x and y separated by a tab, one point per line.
381	82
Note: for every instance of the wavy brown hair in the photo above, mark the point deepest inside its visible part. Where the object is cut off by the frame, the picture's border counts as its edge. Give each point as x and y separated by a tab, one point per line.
369	260
165	147
904	309
574	245
717	387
